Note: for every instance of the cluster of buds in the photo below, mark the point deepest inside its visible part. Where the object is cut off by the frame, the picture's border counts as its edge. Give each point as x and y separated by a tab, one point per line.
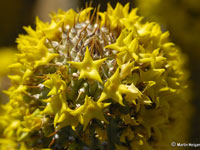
93	80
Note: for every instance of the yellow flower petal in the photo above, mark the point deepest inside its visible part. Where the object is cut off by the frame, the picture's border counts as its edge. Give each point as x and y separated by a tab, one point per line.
88	68
92	110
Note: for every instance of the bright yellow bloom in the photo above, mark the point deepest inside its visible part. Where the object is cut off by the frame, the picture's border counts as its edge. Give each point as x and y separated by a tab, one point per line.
6	58
118	17
55	84
114	89
56	103
101	78
88	68
69	117
92	110
127	46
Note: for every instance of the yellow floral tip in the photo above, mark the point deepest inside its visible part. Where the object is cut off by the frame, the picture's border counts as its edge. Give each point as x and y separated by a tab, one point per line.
114	89
88	68
92	110
100	78
113	17
6	59
45	60
111	89
126	69
55	83
68	118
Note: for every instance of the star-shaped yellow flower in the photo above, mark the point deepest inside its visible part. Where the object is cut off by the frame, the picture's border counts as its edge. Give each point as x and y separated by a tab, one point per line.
32	122
92	110
55	84
56	103
127	45
88	68
114	16
113	89
69	117
133	93
126	69
155	58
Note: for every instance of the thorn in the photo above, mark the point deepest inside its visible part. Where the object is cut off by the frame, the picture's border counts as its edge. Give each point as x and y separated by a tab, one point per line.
53	133
90	4
92	17
92	48
32	86
97	16
104	38
52	142
41	77
81	49
86	5
75	21
76	46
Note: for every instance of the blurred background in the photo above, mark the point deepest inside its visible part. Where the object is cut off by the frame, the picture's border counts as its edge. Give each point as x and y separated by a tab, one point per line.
180	17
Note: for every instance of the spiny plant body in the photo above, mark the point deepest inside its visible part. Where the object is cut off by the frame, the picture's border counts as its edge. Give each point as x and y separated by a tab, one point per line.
94	80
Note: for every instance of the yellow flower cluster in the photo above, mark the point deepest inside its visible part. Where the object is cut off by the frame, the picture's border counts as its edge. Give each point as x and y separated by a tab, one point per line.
176	16
83	81
6	58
